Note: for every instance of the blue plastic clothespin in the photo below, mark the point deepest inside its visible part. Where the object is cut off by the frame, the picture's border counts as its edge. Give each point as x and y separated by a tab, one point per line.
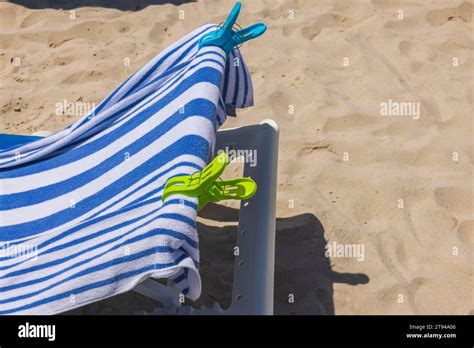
227	38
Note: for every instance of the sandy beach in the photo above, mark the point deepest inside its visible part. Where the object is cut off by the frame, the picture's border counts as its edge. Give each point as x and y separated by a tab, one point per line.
374	102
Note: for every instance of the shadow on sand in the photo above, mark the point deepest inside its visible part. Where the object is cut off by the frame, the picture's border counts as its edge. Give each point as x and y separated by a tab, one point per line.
301	267
123	5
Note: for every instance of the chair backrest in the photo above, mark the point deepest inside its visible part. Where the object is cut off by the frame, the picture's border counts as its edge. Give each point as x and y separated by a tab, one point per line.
10	140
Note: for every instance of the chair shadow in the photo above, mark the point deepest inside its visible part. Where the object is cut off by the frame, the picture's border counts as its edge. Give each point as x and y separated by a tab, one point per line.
123	5
301	267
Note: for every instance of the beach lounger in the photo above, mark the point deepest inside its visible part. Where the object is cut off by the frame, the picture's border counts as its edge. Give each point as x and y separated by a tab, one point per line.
252	291
96	219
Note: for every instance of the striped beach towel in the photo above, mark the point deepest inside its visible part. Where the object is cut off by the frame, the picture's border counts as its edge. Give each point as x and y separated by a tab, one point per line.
81	216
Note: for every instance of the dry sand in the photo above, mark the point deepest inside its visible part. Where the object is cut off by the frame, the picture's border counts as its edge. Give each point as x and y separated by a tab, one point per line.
418	258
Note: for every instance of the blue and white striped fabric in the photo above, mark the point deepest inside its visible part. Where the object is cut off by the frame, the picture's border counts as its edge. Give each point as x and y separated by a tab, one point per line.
81	217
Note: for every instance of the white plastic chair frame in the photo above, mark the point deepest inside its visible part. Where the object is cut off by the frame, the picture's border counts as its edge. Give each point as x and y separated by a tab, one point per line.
252	290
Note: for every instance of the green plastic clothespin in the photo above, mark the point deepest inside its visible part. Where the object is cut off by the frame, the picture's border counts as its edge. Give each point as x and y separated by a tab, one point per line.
227	38
208	187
